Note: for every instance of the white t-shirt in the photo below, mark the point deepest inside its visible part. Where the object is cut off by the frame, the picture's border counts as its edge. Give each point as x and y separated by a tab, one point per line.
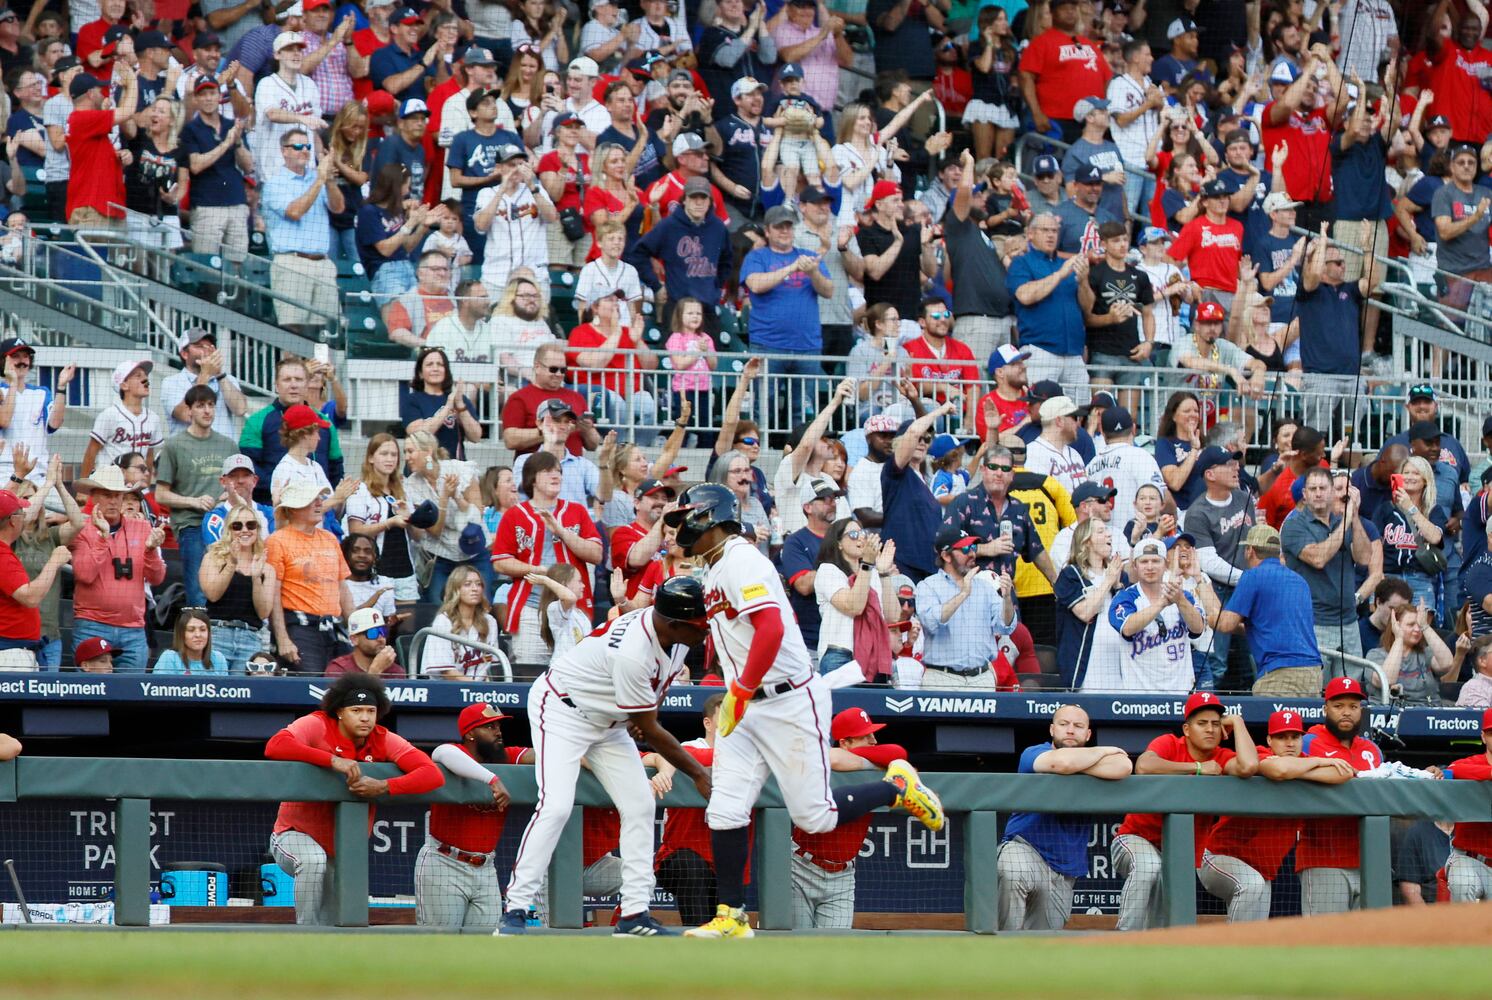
621	671
741	581
274	94
567	627
1125	95
444	658
514	340
1167	323
865	485
515	238
835	627
120	432
1125	468
28	426
361	590
291	470
470	349
1063	464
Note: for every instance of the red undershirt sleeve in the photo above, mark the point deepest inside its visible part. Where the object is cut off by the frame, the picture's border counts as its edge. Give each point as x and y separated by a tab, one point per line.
766	643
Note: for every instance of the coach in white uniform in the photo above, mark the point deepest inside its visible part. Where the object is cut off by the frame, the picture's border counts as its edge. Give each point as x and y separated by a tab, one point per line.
762	656
584	706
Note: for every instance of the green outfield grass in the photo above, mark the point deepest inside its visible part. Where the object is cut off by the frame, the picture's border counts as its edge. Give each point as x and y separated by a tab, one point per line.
64	965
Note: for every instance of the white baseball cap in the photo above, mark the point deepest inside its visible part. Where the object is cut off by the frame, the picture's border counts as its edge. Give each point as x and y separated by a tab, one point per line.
585	66
364	619
286	39
301	493
1149	547
1057	406
125	369
1278	201
233	463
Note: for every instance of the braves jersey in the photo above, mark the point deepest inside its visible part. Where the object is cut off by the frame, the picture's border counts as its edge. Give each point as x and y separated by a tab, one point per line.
1158	658
741	581
1148	825
1332	843
1474	838
1261	842
28	426
622	669
120	432
1064	465
1124	468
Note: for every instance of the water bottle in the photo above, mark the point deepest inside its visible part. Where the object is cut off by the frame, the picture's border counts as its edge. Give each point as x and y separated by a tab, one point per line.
776	520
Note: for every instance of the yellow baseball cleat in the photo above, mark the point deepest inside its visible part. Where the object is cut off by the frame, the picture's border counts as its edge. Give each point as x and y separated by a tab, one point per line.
728	923
913	797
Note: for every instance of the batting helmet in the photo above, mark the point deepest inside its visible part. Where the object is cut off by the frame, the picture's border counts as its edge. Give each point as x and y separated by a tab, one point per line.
682	599
702	507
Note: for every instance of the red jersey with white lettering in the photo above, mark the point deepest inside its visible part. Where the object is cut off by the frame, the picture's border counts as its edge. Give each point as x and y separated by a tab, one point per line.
1474	838
842	844
475	829
1459	78
119	432
1261	842
1148	825
1211	250
1012	412
1307	169
1332	843
954	364
1067	68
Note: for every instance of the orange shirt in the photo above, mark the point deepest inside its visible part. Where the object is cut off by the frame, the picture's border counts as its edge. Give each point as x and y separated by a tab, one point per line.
311	570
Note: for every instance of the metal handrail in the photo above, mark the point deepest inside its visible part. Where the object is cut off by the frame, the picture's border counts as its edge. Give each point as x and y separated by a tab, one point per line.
417	648
1347	659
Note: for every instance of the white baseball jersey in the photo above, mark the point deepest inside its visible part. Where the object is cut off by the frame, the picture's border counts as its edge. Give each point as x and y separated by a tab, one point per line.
28	426
120	432
1125	468
1064	465
274	94
741	581
611	674
1158	658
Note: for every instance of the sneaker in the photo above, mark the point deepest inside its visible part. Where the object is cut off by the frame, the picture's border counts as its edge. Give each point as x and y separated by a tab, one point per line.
913	797
728	923
641	925
513	922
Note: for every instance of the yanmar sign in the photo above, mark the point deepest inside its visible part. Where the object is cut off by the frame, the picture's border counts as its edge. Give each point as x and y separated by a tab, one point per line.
943	704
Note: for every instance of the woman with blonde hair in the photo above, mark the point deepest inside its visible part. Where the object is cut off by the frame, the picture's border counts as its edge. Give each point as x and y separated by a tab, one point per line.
1413	525
456	538
378	509
349	151
240	587
612	195
151	191
464	612
1087	645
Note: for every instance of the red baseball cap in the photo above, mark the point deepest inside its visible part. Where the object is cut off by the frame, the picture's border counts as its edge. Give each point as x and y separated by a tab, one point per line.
473	716
1286	721
853	722
10	503
92	649
883	189
1487	720
1198	701
674	470
1337	687
300	415
1210	312
380	103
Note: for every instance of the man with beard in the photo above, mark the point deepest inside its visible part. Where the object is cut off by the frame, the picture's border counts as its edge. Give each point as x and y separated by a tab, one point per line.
865	477
1243	854
1008	397
1459	69
636	546
455	877
694	111
1327	855
1043	854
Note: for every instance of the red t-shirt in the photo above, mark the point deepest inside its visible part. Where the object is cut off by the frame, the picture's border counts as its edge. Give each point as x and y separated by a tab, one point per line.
596	199
622	540
16	620
475	829
842	844
97	179
586	336
955	365
1473	837
1012	412
1308	167
1212	250
671	189
1148	825
550	163
1456	78
1278	501
435	156
1067	68
1261	842
90	40
366	44
1333	843
954	87
521	411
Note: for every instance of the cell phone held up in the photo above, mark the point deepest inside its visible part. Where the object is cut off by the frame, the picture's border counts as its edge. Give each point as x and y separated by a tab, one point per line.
1395	483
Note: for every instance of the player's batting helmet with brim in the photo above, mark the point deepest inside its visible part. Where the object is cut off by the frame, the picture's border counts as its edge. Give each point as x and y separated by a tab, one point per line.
355	689
681	599
702	507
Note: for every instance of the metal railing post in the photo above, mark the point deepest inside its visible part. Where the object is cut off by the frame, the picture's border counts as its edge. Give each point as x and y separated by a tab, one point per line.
1375	867
981	873
132	862
774	869
350	878
566	882
1178	869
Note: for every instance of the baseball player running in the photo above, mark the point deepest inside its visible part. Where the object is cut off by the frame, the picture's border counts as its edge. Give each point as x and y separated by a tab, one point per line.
1044	854
1469	871
1136	848
1244	853
1327	856
762	657
584	705
455	874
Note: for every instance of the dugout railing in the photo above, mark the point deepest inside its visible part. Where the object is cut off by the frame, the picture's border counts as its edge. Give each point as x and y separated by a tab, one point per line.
974	800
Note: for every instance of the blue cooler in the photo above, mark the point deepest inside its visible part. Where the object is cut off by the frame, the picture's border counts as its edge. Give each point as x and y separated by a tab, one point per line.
276	885
195	883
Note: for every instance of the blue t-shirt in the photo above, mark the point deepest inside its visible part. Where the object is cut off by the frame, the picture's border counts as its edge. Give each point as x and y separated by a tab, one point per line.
1173	451
394	149
476	154
912	517
1276	604
1422	193
800	554
1272	253
1254	218
650	165
374	226
20	120
170	662
1054	323
1328	318
1357	179
220	185
391	61
787	316
1060	838
422	406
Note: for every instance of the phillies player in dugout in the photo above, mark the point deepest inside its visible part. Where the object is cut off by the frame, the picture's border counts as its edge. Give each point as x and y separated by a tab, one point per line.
786	733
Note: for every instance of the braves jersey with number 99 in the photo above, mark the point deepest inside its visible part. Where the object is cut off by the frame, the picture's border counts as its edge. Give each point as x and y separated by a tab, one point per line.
624	669
1157	658
741	581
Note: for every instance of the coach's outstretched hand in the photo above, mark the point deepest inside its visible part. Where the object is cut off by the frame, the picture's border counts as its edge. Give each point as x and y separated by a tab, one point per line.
732	708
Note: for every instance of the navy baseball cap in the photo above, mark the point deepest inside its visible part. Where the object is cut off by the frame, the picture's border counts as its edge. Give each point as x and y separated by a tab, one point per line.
1091	490
1116	420
792	71
1212	456
1088	175
1042	391
1046	164
1215	189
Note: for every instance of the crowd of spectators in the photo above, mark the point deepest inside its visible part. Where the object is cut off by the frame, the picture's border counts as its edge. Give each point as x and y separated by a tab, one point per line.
1219	179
